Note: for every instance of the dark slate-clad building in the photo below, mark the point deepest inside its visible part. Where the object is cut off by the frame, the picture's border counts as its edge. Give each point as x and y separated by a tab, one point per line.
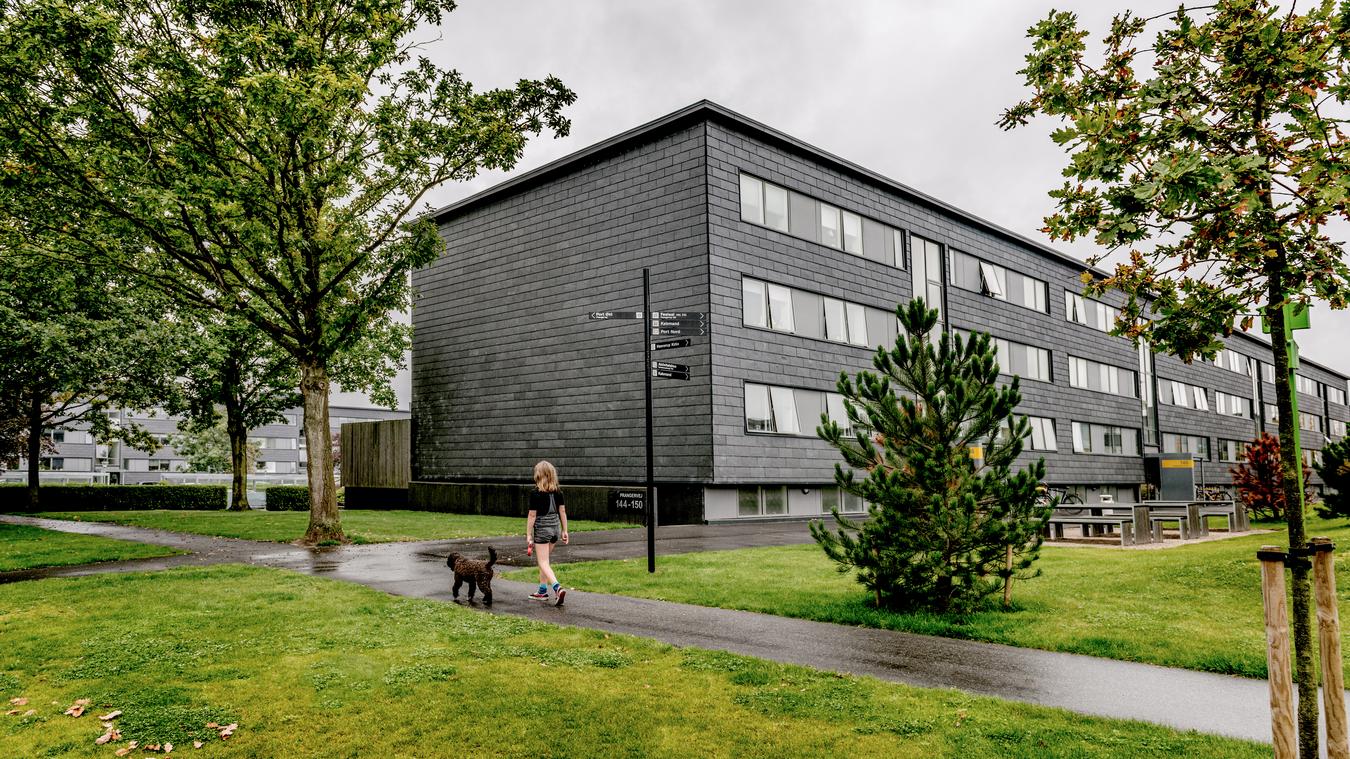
799	259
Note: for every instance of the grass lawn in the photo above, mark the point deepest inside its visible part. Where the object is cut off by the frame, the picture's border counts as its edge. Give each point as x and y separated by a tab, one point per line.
24	547
361	526
317	668
1197	606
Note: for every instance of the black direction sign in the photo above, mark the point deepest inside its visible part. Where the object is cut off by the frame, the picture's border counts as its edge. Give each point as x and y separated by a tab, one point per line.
668	344
616	314
668	366
667	374
679	331
695	315
678	323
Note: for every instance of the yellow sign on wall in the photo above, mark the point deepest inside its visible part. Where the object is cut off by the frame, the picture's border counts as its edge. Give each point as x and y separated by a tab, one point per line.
1178	463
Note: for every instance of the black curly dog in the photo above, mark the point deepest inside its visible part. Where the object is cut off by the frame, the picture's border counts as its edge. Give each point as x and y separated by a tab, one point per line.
476	572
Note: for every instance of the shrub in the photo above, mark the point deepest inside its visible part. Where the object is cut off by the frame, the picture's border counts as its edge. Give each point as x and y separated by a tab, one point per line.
14	498
1335	471
287	498
1257	479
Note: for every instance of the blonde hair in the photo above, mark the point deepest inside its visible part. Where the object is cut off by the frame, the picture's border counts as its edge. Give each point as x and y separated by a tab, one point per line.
546	477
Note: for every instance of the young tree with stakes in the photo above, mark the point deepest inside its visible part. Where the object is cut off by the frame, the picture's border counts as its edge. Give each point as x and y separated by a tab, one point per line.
1215	154
946	529
268	158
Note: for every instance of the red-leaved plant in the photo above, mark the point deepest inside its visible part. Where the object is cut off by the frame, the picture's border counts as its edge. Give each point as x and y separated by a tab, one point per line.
1257	479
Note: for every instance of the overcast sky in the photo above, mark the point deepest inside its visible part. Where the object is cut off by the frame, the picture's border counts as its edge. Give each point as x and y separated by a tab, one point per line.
908	89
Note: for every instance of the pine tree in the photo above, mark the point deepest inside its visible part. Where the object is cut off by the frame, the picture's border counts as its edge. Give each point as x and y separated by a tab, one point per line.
1335	471
1257	479
942	520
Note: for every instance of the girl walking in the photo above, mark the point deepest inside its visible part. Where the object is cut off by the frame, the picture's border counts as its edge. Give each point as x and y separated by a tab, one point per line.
545	524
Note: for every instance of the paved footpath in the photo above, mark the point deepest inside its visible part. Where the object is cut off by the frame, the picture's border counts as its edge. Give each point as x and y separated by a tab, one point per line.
1183	699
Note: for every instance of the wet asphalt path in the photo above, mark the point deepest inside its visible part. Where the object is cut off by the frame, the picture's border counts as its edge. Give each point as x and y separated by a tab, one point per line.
1183	699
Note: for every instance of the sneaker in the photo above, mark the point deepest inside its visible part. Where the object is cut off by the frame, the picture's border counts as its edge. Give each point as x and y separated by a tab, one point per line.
562	593
539	596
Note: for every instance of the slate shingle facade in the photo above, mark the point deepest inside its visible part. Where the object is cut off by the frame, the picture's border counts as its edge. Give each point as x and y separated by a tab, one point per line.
508	369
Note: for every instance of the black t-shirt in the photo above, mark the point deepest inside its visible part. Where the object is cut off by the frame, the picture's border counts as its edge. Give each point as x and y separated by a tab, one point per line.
539	502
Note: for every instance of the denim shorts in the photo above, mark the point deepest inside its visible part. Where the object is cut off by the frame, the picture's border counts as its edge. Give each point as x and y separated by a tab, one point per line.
547	528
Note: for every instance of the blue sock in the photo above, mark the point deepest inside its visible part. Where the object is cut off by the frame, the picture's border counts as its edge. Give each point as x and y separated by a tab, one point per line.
556	585
543	588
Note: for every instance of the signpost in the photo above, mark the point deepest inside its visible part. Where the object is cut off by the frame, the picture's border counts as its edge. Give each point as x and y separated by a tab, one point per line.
681	325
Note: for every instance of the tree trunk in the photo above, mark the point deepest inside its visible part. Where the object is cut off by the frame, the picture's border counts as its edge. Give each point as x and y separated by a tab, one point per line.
1305	677
325	524
238	460
34	448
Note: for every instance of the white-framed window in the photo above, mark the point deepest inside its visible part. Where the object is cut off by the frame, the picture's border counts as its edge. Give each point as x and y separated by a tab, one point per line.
1025	361
1042	437
1201	398
1268	372
784	410
775	207
761	500
1177	443
1311	422
838	412
992	280
752	199
754	303
159	465
1232	405
1177	393
1336	428
780	308
1231	451
758	411
829	226
1089	313
1105	439
1312	457
1335	394
853	233
857	324
291	419
837	498
1305	385
1272	413
1103	378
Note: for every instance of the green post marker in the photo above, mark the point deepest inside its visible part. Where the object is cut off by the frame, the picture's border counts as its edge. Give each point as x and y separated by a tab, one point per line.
1294	318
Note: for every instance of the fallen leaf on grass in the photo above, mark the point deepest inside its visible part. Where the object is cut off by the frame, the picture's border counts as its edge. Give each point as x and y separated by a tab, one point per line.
228	730
30	712
21	701
111	735
212	725
111	715
151	747
11	712
129	748
197	744
78	707
168	747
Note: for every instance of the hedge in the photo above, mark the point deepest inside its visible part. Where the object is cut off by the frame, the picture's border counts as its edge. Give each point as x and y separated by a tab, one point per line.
287	498
14	498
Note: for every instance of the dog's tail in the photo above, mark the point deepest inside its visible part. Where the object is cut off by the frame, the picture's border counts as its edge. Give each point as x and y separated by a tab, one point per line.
492	556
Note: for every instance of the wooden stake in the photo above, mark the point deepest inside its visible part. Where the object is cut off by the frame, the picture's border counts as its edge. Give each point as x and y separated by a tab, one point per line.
1283	733
1329	644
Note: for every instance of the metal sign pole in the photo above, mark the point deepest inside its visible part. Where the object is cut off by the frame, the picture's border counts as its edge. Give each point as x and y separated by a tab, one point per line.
647	374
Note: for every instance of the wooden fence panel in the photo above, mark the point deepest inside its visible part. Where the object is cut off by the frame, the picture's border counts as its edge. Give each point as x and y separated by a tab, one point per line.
377	454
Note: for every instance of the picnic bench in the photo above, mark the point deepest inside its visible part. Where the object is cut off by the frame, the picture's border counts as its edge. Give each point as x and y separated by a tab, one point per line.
1124	524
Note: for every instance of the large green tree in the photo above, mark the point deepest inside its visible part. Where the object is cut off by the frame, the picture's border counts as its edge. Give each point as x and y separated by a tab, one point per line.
1212	151
74	341
946	528
270	158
